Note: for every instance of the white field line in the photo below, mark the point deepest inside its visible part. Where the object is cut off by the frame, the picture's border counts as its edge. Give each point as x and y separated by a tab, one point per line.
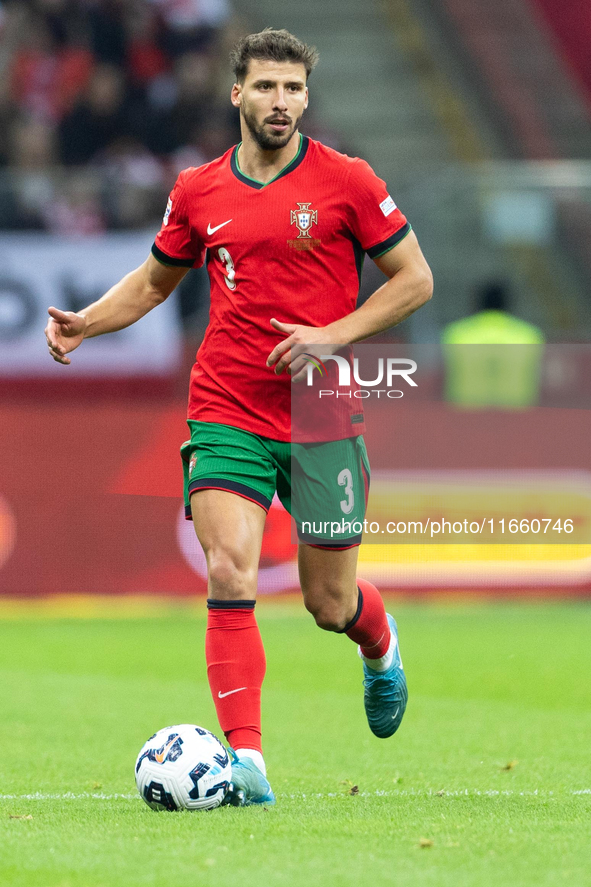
71	796
394	793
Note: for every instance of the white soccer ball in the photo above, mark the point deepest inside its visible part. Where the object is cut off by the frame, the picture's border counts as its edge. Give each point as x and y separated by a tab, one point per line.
183	768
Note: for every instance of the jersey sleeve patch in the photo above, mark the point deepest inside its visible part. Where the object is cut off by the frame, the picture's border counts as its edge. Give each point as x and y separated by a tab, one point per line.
387	206
165	259
380	248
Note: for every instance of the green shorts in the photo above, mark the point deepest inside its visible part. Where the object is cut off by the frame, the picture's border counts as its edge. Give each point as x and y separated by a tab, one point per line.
324	486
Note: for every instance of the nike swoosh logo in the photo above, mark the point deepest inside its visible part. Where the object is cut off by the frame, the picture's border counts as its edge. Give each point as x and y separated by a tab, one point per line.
396	712
229	693
160	755
211	230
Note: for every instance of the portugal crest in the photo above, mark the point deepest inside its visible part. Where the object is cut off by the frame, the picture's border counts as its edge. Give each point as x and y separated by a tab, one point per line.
304	218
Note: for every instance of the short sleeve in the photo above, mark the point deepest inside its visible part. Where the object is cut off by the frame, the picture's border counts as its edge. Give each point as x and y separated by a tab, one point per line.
177	243
374	218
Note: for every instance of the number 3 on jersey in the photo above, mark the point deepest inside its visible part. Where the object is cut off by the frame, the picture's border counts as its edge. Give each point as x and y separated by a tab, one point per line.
345	479
229	266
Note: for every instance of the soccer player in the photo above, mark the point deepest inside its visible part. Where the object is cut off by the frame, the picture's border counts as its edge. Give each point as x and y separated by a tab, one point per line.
282	222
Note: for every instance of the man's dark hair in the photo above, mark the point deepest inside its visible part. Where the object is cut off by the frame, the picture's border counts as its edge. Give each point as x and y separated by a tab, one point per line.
273	45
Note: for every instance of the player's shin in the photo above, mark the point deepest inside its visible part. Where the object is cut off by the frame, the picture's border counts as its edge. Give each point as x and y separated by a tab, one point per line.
236	668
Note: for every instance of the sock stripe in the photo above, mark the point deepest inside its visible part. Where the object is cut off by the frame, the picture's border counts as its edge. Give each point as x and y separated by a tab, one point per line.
355	618
213	604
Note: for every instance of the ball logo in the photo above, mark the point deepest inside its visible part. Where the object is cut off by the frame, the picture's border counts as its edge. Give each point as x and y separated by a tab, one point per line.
7	531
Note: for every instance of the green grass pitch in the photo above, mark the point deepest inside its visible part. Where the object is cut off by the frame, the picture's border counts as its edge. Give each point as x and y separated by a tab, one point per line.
487	782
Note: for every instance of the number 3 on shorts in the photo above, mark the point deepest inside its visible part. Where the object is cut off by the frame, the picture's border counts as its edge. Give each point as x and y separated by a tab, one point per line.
345	480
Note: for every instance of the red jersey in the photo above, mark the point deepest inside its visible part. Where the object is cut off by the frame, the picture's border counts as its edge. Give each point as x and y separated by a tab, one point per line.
292	249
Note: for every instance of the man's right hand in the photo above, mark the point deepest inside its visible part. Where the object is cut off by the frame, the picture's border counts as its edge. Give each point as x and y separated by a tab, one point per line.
64	332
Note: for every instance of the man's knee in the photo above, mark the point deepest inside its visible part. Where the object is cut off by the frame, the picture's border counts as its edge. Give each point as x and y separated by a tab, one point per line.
229	576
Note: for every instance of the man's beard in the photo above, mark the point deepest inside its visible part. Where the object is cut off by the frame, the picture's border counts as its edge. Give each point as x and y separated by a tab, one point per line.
268	141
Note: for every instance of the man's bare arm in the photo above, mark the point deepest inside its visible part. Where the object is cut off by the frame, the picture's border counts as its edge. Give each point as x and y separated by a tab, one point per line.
410	285
127	301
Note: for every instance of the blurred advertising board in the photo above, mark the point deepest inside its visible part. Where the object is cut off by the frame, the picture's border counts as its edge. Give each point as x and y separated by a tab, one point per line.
38	270
91	500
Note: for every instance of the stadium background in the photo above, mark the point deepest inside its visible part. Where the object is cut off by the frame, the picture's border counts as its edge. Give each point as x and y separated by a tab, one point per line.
486	149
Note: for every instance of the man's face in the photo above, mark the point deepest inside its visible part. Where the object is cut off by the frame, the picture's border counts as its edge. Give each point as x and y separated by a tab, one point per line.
272	100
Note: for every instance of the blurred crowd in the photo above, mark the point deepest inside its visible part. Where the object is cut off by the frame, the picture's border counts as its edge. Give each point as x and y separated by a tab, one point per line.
102	102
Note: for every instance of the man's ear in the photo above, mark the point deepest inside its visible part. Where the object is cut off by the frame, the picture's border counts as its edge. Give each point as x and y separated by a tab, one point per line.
236	95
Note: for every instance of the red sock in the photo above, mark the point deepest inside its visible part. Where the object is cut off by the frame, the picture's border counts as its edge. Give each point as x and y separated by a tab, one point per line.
235	668
370	627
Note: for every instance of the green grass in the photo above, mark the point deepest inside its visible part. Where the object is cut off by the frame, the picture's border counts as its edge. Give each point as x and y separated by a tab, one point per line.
489	685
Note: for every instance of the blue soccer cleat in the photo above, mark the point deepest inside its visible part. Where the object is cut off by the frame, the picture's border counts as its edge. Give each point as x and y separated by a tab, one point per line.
249	785
385	693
